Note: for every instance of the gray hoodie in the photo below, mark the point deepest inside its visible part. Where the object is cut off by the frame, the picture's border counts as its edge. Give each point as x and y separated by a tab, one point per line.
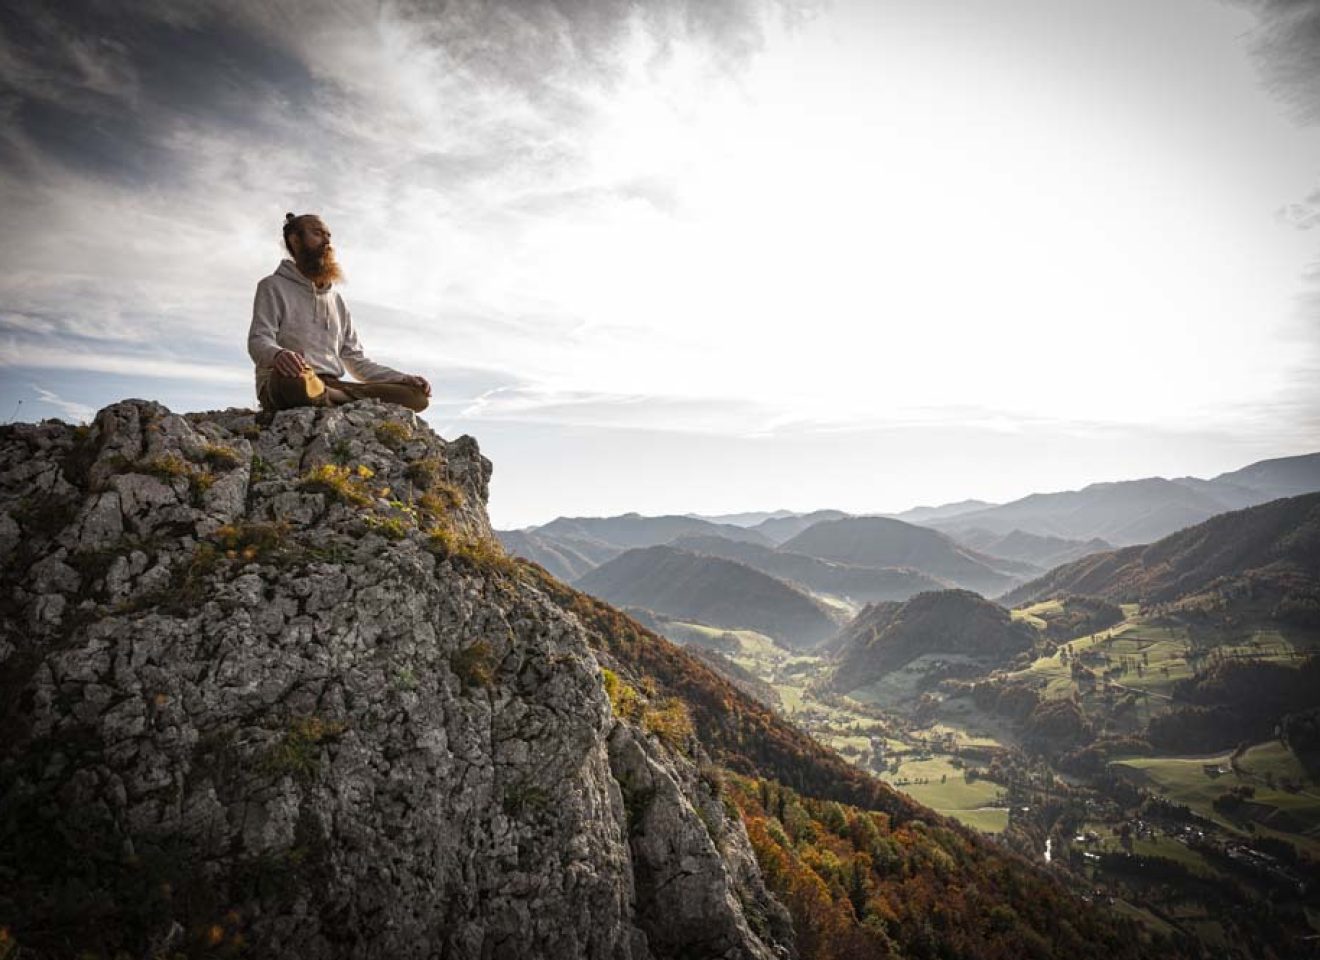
290	313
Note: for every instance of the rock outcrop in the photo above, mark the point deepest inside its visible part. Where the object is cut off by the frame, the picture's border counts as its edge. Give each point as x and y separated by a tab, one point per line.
277	690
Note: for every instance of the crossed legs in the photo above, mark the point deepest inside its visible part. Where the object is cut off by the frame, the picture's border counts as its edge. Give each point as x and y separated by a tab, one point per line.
308	389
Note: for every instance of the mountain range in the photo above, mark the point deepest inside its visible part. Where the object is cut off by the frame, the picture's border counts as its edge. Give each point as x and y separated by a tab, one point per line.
1141	511
859	583
884	542
887	636
711	590
1264	553
990	548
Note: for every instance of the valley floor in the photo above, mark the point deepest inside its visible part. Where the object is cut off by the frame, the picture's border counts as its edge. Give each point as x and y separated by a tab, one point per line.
1152	832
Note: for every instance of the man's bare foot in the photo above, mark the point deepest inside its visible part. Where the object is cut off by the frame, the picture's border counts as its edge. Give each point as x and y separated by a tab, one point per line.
336	397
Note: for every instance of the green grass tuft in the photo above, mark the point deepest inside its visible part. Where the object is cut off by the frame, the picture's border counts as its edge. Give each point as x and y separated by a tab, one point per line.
393	434
339	483
297	753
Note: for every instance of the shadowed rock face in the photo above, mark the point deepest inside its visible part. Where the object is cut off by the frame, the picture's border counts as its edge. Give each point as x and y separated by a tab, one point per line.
277	689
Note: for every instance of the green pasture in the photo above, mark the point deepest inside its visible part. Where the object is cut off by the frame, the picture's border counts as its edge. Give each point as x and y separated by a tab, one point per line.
894	688
1273	758
1166	654
972	803
751	642
972	726
899	687
1038	613
962	735
1185	780
790	696
1166	848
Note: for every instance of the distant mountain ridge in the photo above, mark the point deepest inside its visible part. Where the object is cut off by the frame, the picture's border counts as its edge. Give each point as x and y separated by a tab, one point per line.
634	530
748	518
566	557
862	584
1269	550
943	512
993	548
887	636
1280	477
780	529
710	590
885	542
1043	553
1141	511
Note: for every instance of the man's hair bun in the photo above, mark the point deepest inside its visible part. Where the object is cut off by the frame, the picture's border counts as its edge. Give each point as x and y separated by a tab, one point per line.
290	227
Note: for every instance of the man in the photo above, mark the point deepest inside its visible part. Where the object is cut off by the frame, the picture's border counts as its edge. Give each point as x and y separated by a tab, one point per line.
302	338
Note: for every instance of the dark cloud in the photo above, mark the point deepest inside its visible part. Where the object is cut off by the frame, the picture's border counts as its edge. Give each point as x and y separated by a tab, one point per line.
1287	44
527	42
101	92
100	87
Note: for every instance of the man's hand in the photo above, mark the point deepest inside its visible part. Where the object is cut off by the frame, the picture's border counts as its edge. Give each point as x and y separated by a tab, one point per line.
289	363
419	382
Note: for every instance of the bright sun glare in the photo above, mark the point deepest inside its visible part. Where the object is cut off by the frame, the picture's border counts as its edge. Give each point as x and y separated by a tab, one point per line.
863	226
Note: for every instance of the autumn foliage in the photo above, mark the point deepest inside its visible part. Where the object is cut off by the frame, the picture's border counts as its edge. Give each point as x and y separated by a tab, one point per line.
742	734
859	887
864	871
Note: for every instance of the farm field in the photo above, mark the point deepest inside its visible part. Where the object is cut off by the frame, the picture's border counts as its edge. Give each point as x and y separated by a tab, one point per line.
899	687
1145	660
975	804
945	788
1159	652
921	727
1165	847
1293	815
1036	613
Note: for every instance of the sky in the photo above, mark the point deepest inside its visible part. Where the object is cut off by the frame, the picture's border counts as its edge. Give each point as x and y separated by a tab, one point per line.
695	255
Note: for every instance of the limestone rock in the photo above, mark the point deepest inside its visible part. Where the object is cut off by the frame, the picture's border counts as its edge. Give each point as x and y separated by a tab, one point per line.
276	689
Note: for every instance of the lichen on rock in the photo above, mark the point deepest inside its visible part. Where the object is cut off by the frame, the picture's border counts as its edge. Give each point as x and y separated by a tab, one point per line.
274	689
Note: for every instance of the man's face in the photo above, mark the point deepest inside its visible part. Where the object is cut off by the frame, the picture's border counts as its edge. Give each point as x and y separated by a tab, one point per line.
313	238
313	252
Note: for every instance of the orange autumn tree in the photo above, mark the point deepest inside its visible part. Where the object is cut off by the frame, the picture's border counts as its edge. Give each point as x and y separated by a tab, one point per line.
859	888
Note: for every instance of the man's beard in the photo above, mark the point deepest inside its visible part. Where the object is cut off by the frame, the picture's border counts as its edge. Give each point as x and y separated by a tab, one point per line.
319	266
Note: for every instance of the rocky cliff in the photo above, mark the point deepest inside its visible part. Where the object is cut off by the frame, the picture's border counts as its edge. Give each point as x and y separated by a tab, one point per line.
276	691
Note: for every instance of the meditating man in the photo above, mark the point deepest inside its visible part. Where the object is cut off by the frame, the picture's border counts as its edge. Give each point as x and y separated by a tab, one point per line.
302	338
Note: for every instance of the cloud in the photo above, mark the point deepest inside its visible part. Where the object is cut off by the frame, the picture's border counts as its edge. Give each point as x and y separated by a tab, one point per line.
17	354
148	154
79	412
1287	45
529	403
1303	214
